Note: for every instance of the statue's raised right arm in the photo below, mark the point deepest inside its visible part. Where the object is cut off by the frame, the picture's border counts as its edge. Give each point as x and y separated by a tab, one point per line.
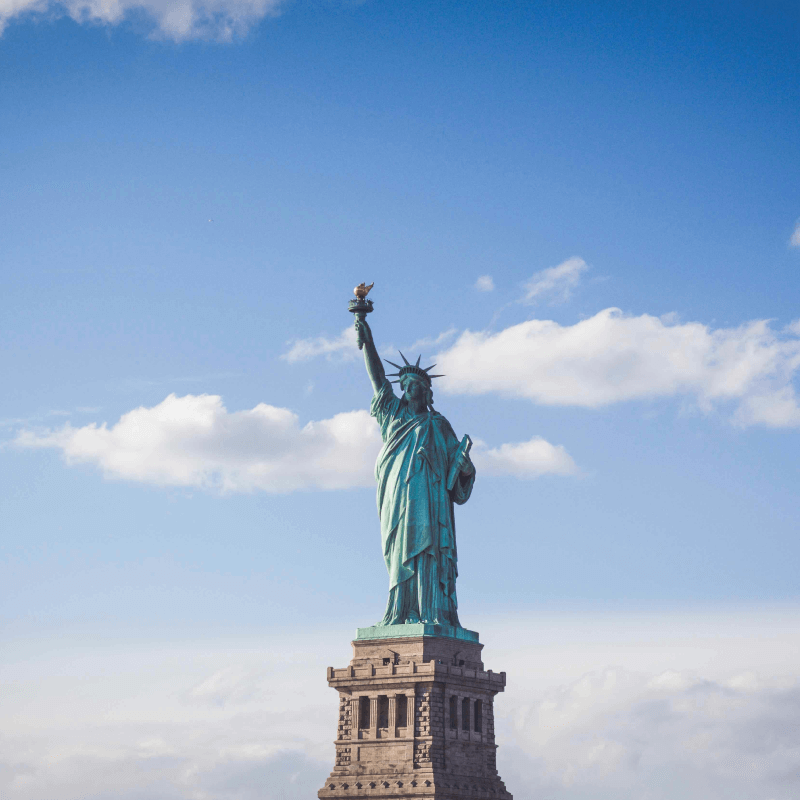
371	358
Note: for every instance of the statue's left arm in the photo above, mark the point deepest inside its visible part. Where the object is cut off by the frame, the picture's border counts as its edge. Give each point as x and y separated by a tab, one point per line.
462	488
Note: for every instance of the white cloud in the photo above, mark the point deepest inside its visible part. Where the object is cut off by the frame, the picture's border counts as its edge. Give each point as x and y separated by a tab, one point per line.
219	20
795	240
484	283
555	282
611	357
195	441
344	347
524	459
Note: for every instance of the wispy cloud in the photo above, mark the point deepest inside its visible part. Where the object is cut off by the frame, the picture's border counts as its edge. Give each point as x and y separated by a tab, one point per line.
342	347
230	685
218	20
39	418
612	358
194	441
429	342
794	241
555	283
485	283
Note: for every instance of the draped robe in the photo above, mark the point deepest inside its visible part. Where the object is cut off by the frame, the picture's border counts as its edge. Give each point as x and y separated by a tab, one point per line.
416	510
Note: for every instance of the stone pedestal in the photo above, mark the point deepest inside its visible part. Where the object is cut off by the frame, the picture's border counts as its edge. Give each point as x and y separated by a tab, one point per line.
416	717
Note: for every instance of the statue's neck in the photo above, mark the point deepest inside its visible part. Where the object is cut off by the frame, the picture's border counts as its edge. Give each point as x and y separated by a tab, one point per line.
417	411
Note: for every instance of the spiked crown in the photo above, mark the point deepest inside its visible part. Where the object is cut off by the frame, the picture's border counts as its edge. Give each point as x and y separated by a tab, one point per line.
411	369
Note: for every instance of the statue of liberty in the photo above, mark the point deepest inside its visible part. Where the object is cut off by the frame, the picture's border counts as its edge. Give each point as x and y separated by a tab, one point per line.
422	471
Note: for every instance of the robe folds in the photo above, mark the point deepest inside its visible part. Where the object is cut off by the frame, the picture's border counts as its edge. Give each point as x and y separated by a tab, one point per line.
416	510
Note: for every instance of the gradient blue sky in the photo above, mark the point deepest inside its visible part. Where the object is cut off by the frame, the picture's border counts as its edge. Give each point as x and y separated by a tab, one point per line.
180	207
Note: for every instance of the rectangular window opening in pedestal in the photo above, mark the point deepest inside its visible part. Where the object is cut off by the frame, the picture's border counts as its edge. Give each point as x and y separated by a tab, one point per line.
363	712
453	712
465	714
478	717
383	711
401	711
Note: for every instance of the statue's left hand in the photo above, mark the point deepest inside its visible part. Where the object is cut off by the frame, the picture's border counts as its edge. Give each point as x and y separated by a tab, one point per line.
465	466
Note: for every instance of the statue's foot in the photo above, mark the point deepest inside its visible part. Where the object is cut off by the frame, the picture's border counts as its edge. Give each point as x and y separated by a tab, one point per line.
412	621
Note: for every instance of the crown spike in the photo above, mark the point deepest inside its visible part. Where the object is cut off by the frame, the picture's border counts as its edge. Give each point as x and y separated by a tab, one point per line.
418	358
425	369
394	381
392	363
436	376
408	364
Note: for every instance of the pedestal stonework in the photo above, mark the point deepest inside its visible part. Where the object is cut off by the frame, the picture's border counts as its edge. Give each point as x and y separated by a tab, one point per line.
416	717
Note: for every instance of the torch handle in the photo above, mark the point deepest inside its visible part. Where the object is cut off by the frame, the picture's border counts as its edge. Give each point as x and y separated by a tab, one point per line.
360	315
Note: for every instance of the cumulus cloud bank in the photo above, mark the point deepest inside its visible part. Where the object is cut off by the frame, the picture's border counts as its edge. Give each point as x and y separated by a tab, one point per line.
612	357
195	441
238	720
617	734
219	20
227	722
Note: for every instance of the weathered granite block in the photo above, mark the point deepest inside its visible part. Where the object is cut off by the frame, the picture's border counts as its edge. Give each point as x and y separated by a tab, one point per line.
415	720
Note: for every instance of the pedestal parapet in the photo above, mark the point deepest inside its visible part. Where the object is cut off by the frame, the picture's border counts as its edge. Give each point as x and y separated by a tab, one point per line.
416	718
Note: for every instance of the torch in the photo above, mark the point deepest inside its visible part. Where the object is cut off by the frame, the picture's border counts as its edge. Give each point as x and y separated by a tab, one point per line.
361	306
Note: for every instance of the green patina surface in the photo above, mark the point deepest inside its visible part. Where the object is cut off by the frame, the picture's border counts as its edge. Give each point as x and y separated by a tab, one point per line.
422	472
415	629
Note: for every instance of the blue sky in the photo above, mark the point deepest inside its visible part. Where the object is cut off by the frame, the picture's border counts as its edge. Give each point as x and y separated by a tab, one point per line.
188	195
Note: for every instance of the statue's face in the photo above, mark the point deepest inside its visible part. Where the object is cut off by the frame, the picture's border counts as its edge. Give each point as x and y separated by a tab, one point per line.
415	392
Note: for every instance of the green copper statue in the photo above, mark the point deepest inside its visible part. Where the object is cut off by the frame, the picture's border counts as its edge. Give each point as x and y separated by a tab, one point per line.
422	471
